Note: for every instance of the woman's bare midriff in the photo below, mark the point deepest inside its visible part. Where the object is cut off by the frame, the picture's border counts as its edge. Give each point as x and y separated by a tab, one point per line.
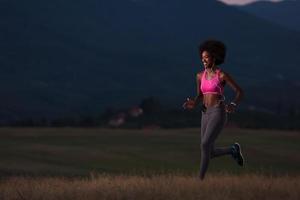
211	100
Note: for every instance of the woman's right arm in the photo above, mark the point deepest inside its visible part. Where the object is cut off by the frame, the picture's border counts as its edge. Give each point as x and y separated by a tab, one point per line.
192	103
199	96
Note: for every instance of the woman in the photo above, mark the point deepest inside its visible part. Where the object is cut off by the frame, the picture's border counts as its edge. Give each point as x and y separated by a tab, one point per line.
210	89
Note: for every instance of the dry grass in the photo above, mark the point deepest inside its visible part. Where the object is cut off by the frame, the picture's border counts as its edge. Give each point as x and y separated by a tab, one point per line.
107	187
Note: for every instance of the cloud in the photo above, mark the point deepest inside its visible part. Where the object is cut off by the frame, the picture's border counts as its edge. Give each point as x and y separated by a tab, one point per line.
243	2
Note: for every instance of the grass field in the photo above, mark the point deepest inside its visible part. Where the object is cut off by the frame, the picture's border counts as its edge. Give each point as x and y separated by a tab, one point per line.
163	187
69	163
77	152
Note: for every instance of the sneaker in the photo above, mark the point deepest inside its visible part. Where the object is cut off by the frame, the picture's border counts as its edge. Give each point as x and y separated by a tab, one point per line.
237	154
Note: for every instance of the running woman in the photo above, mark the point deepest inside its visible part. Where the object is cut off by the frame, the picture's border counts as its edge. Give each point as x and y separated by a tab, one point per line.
210	90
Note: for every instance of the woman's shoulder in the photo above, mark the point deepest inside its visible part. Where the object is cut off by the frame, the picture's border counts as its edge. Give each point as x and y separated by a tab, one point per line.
223	75
199	74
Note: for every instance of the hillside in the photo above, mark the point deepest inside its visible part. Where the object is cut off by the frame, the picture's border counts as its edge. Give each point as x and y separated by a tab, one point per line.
285	13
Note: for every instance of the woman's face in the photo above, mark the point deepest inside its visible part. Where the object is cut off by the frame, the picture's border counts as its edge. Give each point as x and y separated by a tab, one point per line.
207	60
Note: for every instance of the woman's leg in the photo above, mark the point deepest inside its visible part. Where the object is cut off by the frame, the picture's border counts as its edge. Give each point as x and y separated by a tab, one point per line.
214	124
220	151
203	124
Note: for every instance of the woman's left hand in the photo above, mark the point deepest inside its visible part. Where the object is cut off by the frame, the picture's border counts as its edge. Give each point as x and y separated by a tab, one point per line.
229	108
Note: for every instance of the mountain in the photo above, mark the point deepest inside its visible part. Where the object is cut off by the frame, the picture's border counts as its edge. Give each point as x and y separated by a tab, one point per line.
62	58
284	13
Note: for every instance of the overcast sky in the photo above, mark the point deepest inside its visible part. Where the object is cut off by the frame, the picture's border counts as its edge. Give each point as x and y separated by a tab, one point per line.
242	2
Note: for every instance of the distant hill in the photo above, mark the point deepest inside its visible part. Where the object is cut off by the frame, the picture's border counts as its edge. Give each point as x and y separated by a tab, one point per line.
68	57
285	13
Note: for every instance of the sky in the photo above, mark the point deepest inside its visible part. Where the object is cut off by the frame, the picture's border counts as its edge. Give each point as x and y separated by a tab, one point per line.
242	2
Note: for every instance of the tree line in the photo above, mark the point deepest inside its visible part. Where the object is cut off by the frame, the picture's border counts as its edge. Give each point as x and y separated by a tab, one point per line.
150	114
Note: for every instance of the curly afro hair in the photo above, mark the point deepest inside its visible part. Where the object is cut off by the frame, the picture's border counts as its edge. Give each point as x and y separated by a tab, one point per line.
215	48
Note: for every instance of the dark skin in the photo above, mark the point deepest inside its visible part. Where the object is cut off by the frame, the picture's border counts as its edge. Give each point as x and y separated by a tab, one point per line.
210	100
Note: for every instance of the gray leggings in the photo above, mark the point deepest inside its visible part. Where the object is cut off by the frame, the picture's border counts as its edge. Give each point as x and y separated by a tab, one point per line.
212	123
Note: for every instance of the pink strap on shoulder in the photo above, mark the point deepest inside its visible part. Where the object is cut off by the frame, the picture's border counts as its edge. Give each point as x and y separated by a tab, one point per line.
200	77
203	74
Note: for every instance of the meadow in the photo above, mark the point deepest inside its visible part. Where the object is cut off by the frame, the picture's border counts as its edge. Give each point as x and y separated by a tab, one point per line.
162	187
73	163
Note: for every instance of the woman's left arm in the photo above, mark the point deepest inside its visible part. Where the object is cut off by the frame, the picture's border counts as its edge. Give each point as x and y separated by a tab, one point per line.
239	94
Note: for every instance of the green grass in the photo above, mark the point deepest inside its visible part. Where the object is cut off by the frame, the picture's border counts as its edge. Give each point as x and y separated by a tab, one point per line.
78	152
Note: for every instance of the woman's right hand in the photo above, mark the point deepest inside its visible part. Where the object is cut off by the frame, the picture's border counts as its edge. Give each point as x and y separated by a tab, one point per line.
189	104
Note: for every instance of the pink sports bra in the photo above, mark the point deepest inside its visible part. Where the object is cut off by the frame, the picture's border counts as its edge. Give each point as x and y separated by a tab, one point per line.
213	85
